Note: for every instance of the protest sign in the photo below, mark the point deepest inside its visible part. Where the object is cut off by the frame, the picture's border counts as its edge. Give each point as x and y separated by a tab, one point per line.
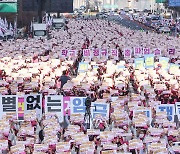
83	67
149	61
164	61
139	63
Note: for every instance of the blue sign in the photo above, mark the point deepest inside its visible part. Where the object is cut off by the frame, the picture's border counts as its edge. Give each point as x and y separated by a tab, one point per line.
174	3
169	109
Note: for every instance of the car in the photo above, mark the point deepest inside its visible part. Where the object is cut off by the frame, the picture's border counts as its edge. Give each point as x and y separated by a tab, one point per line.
163	29
175	28
101	15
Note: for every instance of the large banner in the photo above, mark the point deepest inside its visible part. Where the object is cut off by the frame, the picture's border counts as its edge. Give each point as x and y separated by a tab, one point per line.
20	111
127	52
138	51
157	52
86	53
78	105
65	53
146	51
8	103
178	110
66	105
33	102
104	53
169	109
100	109
114	53
54	104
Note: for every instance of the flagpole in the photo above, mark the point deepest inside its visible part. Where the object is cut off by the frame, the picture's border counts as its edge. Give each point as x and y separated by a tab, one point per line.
15	26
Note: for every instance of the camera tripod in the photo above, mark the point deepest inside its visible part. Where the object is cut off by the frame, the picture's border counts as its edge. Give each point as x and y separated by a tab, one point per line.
88	117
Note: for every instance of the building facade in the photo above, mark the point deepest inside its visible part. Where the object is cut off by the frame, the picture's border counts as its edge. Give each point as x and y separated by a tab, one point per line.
120	4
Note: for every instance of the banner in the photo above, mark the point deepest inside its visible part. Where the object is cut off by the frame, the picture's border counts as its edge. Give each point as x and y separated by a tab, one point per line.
139	63
157	52
78	105
33	102
72	53
149	61
66	105
100	109
64	53
20	111
8	103
169	109
83	67
96	53
178	110
87	53
146	51
54	104
171	51
138	51
104	53
127	53
114	54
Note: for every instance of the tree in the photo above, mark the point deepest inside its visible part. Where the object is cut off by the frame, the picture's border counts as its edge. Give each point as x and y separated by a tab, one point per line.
97	3
41	5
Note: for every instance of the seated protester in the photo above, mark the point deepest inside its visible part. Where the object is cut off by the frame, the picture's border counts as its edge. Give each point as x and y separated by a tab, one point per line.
64	78
41	135
2	74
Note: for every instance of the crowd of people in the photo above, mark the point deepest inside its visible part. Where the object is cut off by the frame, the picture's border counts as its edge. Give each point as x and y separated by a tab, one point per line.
39	66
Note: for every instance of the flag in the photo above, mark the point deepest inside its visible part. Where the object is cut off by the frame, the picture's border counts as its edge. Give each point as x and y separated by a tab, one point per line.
50	20
5	24
1	33
15	28
11	29
46	18
31	27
